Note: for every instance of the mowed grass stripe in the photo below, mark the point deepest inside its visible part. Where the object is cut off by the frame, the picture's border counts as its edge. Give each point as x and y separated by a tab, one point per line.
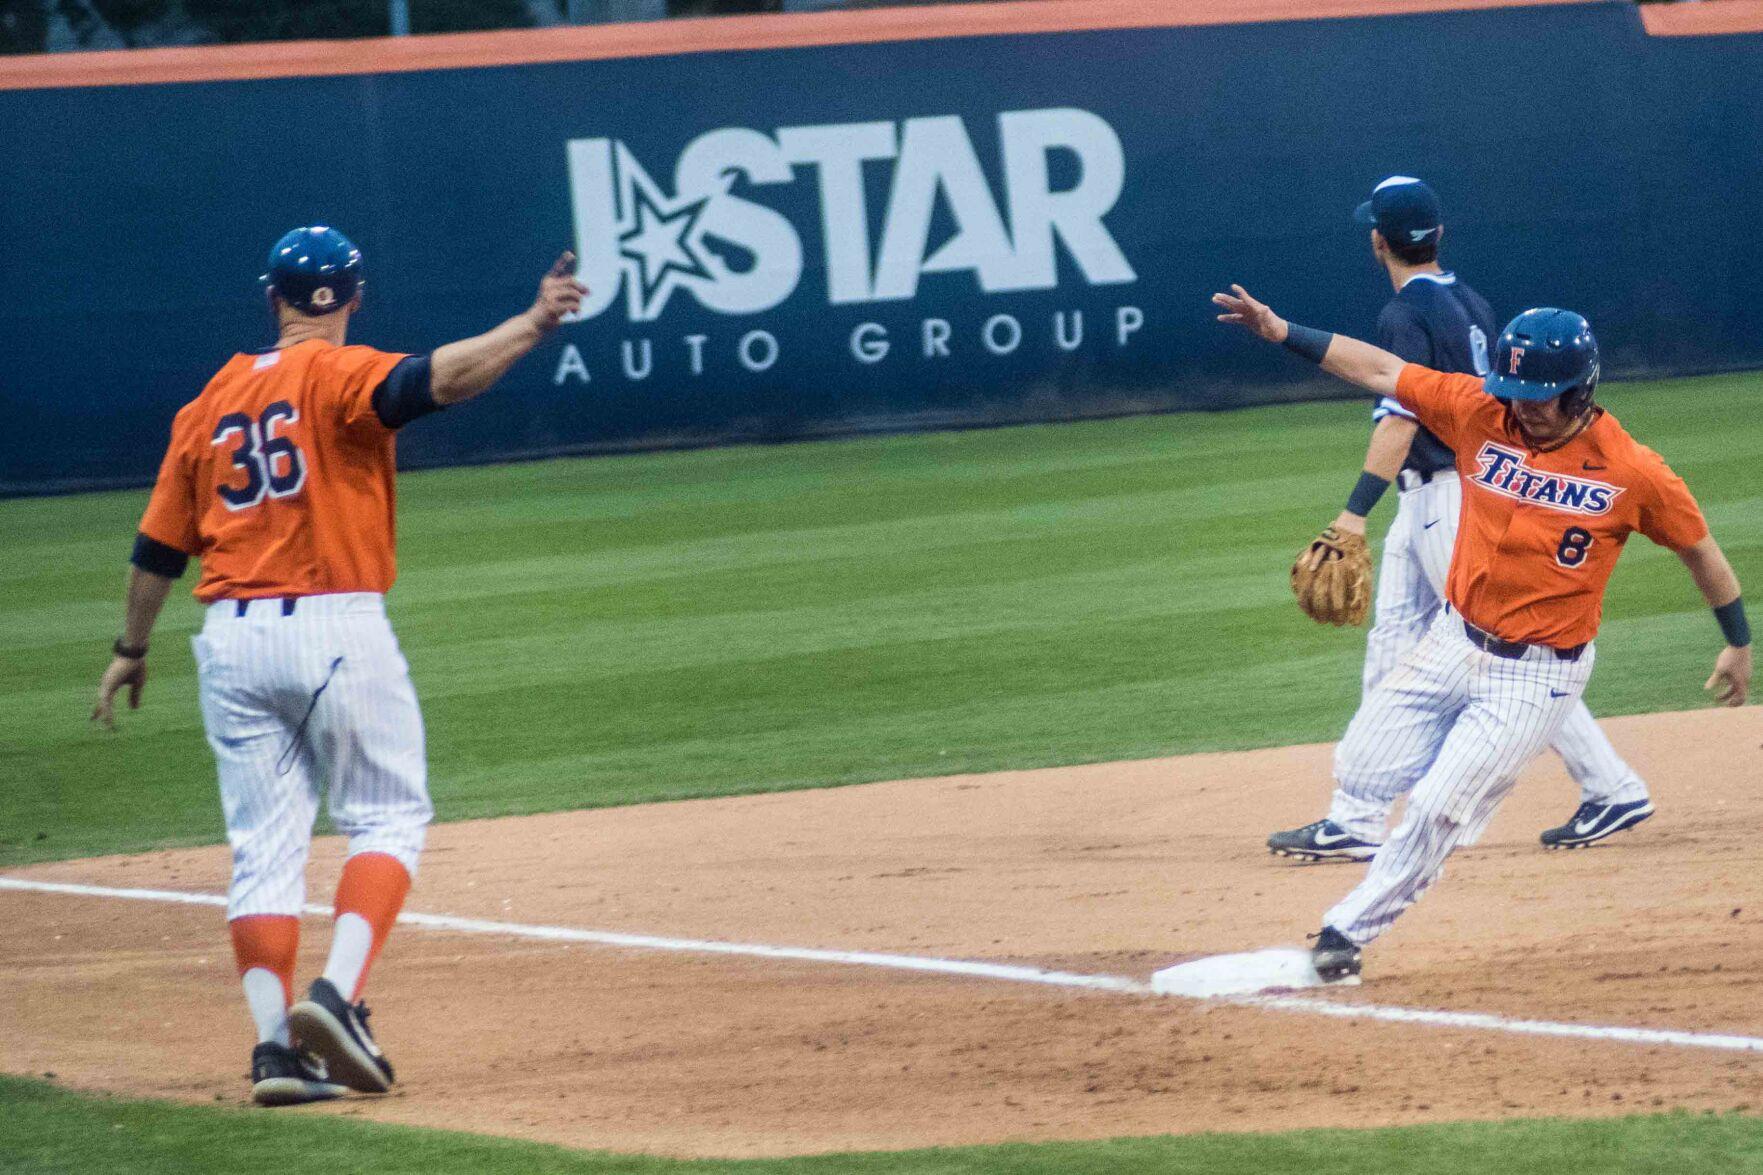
613	630
48	1131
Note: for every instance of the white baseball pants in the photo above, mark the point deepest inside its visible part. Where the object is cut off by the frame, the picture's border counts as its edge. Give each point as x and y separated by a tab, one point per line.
1410	594
303	697
1456	725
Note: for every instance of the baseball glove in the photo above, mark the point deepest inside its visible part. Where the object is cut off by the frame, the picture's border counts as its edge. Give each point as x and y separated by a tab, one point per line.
1332	578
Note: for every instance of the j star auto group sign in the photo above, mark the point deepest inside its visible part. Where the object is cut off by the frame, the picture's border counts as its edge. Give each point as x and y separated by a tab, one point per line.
644	244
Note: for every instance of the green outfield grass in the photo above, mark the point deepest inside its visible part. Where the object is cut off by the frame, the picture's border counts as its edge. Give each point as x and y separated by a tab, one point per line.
46	1131
613	630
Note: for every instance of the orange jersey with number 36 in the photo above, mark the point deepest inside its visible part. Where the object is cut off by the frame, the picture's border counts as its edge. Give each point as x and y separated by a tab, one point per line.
280	475
1541	531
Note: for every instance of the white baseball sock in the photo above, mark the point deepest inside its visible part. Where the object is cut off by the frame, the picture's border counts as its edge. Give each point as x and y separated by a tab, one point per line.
269	1004
351	942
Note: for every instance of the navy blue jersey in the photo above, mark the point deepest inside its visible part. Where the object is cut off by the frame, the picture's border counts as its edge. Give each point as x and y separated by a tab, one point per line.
1436	321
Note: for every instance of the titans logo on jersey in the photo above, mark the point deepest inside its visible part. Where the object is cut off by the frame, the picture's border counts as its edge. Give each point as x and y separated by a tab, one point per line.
1503	471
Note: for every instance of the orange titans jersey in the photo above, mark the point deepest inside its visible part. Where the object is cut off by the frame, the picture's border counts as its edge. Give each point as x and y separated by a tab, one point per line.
1541	532
279	476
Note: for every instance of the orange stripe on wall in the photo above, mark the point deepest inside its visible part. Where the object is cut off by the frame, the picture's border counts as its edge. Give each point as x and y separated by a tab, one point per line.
1709	18
213	63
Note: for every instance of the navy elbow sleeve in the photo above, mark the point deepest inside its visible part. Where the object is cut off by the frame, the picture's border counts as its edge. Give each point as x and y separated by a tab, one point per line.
153	556
406	394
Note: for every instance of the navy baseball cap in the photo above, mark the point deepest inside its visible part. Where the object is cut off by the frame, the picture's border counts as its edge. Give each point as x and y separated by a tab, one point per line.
1404	210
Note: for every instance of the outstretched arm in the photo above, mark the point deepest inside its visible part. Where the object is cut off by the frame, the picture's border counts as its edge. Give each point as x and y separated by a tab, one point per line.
1372	368
1708	566
461	370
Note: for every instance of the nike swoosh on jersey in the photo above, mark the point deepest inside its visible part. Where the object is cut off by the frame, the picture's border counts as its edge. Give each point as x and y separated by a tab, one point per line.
1589	467
1556	693
1430	525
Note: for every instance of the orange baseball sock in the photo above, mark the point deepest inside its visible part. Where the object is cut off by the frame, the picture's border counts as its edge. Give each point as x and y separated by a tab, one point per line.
369	897
264	945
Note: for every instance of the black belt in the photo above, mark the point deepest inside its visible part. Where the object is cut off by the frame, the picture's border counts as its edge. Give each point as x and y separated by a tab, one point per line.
1487	642
287	603
1410	479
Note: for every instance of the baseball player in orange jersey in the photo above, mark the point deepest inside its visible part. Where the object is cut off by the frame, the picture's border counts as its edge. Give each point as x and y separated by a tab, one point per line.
1552	488
1436	320
279	479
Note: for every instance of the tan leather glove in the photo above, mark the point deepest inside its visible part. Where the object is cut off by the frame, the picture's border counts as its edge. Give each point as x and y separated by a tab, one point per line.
1332	578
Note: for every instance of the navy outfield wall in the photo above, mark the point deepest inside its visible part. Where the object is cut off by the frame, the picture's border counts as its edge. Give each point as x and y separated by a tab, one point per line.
790	241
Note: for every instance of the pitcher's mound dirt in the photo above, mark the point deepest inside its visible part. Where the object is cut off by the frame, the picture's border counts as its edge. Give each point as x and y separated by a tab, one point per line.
1119	868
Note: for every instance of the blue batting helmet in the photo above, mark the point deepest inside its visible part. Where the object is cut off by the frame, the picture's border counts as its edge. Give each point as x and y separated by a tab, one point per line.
314	269
1546	353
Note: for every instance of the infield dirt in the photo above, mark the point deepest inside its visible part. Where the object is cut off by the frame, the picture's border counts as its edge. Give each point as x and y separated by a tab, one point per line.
1116	868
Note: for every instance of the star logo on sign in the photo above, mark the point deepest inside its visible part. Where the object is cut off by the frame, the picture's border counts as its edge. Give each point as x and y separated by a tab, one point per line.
659	241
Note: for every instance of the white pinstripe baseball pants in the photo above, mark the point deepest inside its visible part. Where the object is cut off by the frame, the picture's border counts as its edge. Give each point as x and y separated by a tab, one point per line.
1410	592
317	698
1456	725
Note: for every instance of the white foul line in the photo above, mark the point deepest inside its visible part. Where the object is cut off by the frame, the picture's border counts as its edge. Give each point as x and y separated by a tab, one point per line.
648	942
1483	1022
1008	973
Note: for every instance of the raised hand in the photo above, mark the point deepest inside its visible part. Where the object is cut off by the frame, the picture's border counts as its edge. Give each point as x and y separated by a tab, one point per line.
560	294
1242	309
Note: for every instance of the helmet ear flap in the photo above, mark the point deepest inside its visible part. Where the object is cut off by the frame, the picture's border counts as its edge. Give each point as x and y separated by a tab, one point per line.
1579	398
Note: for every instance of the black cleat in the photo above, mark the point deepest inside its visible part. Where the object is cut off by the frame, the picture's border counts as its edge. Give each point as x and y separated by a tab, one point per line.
282	1077
336	1031
1322	841
1336	959
1593	822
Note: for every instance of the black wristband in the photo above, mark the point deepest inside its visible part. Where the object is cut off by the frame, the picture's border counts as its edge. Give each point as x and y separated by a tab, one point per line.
132	652
1733	625
1366	493
1307	341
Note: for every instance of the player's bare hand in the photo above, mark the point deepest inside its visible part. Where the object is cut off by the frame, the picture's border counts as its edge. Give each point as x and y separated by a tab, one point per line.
1349	522
1731	681
1241	308
123	671
560	294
